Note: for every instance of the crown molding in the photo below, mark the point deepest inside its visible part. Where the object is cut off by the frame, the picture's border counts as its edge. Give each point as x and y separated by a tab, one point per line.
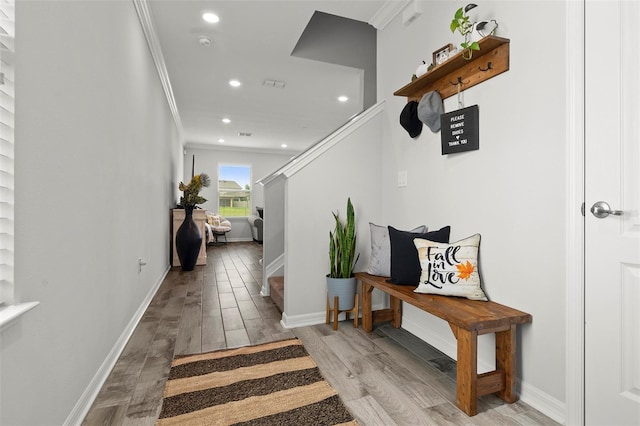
245	149
146	21
389	10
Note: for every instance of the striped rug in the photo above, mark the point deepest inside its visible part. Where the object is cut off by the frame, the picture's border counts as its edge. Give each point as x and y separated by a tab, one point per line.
271	384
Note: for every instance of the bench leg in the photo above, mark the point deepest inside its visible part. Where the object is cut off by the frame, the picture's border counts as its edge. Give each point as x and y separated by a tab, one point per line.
367	315
467	370
395	305
506	361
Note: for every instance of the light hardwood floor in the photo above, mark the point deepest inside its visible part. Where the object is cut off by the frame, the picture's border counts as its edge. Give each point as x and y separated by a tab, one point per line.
387	377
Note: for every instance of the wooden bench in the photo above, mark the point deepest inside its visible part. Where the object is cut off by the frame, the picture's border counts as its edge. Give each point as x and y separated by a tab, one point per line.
467	319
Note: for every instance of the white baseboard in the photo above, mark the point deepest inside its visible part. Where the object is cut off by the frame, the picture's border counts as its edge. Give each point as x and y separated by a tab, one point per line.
89	395
543	402
302	320
531	395
239	239
293	321
448	347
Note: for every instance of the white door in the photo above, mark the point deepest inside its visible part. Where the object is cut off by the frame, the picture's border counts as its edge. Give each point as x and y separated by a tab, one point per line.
612	242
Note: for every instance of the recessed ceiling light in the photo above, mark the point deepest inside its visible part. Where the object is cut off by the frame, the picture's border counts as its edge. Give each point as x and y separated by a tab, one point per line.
212	18
234	83
226	121
284	145
343	98
221	140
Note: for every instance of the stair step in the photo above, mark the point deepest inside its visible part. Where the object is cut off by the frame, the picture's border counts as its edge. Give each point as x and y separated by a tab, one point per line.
276	284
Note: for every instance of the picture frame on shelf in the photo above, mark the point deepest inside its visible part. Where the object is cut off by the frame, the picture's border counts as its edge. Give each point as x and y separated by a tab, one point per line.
441	55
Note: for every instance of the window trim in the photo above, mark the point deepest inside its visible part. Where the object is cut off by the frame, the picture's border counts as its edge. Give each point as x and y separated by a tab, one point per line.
7	144
9	310
249	191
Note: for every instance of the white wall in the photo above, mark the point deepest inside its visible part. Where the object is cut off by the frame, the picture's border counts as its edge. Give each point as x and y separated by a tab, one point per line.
511	191
97	164
207	161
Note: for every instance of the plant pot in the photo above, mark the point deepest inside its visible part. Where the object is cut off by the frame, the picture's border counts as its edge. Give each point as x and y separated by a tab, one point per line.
188	241
345	289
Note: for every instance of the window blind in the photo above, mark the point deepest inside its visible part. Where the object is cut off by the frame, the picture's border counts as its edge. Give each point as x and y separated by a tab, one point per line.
7	36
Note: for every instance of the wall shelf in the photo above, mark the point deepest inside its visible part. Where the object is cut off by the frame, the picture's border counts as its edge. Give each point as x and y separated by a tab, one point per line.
492	59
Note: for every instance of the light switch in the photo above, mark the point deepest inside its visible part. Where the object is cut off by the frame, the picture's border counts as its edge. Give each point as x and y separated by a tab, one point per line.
402	178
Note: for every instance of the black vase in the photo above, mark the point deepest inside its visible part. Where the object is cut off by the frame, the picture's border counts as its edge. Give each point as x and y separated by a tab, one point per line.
188	241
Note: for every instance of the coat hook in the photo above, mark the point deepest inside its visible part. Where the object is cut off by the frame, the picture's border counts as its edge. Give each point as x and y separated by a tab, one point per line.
459	82
486	69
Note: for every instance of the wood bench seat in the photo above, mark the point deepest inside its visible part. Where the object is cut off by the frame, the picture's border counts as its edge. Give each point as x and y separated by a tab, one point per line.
468	319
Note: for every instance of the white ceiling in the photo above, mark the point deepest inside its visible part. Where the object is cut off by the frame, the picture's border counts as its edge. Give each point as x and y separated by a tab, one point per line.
252	42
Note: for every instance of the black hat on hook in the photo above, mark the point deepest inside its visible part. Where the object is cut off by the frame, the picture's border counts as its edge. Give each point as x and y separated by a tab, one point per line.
409	119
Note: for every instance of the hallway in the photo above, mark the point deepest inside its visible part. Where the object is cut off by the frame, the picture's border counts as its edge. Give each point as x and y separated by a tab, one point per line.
386	377
214	307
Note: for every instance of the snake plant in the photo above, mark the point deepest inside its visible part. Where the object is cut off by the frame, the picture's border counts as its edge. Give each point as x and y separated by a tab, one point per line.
342	245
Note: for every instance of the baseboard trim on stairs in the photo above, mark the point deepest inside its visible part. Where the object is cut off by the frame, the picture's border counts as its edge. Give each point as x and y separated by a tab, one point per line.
276	291
269	270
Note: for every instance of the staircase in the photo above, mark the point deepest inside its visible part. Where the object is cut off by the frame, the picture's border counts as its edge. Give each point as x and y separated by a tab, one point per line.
276	284
348	161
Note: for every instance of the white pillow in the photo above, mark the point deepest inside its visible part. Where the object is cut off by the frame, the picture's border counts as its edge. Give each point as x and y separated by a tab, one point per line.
380	259
450	269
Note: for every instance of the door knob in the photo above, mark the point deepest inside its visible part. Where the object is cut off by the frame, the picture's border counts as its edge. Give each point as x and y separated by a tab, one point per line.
601	209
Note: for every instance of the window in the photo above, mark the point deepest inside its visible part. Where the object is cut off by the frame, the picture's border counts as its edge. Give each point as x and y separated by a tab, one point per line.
234	190
6	149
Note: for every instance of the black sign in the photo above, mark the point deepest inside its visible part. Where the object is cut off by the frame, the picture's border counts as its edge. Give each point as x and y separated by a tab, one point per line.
459	130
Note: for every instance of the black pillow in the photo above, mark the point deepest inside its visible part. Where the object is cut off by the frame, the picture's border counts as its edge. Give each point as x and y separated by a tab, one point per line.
405	265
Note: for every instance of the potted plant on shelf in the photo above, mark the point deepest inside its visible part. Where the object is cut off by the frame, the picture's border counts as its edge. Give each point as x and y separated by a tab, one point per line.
342	258
189	235
464	26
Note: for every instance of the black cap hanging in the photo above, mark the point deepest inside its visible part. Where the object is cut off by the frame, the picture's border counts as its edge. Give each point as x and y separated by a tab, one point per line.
409	119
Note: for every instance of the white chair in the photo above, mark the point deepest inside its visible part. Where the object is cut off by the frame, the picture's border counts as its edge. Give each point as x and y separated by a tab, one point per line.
216	227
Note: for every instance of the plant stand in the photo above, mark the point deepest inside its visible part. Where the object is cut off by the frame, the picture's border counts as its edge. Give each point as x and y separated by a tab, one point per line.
336	312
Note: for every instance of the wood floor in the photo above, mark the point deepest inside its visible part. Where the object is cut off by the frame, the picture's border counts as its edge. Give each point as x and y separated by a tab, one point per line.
387	377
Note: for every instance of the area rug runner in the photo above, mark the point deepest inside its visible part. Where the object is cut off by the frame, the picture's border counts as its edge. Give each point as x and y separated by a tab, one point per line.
271	384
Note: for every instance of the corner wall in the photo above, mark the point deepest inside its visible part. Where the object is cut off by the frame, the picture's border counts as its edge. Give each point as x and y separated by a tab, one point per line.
97	164
511	190
350	168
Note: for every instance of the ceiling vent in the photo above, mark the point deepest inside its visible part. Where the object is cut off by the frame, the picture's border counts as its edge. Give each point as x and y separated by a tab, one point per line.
204	41
273	83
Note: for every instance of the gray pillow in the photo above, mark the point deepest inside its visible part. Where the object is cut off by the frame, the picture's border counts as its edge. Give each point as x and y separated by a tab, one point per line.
380	259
